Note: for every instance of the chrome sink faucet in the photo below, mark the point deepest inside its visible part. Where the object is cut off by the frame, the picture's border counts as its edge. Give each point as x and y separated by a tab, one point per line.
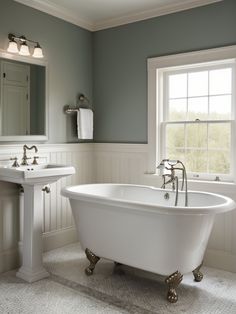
172	166
24	158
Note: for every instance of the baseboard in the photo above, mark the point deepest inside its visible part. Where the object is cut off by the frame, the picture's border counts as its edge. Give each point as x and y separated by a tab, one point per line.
9	259
55	239
220	259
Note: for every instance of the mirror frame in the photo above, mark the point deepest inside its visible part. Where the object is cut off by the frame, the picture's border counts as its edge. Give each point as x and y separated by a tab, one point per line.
29	138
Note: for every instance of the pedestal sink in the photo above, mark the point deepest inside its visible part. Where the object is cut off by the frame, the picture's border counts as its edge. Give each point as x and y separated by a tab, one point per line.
33	178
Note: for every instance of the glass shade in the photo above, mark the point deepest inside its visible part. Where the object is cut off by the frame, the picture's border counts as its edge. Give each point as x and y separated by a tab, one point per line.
12	47
38	53
24	50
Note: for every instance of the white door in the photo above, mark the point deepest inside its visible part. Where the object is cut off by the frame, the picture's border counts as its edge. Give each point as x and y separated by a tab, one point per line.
15	114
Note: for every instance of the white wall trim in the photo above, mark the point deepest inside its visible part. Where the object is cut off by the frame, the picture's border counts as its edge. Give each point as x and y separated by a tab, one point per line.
27	59
198	56
141	16
120	147
74	18
59	12
12	149
42	62
171	61
220	259
58	238
9	259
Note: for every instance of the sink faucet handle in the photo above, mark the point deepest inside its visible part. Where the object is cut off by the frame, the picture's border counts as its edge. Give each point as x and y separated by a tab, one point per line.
35	160
15	163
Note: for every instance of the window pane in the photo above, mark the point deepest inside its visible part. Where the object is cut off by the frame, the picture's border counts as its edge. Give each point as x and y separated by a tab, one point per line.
196	161
219	135
176	154
219	162
174	135
196	135
220	81
220	107
178	85
198	84
177	109
203	94
198	108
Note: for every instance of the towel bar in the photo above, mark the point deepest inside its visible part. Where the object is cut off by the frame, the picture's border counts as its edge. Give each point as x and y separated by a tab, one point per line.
82	100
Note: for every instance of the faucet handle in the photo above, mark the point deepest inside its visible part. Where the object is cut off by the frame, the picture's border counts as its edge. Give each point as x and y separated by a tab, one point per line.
15	163
35	160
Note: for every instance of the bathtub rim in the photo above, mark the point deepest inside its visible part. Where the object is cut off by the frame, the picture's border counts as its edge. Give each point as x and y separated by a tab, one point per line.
151	207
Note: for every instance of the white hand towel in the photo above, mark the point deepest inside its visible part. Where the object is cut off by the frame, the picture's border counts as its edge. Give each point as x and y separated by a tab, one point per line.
85	124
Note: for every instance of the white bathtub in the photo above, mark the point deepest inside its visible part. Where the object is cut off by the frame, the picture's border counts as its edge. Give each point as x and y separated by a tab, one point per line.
137	226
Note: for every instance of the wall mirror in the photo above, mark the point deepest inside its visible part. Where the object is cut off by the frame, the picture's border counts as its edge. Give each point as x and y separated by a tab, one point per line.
23	98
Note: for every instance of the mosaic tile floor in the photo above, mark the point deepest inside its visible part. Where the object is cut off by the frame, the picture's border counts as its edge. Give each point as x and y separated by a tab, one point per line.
111	289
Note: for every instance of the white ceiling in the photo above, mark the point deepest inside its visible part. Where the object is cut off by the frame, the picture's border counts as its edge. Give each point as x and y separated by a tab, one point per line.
100	14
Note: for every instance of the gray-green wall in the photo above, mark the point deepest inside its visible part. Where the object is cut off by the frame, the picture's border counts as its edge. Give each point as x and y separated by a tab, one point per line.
109	66
120	70
68	50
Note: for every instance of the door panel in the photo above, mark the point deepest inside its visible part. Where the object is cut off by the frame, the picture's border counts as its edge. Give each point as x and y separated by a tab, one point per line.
15	110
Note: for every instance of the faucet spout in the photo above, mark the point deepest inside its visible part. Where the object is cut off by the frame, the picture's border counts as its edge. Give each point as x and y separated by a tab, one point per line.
24	158
29	148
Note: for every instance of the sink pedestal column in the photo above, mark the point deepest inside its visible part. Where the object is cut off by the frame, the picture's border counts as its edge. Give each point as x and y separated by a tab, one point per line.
32	266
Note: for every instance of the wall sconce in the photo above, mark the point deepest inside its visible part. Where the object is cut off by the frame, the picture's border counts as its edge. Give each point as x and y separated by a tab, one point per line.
15	41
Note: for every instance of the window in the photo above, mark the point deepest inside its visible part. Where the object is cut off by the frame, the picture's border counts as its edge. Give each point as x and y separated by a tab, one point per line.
195	115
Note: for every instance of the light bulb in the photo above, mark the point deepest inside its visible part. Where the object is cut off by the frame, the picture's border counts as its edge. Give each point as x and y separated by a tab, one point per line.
12	47
38	52
24	50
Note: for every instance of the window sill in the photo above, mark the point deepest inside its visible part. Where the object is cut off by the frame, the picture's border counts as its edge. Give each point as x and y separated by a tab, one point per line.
220	187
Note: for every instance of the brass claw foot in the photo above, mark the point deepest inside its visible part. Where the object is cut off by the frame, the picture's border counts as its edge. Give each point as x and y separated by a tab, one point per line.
197	274
93	261
173	281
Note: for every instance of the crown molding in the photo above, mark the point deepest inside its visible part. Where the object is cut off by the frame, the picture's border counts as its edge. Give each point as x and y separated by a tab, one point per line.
59	12
72	17
163	10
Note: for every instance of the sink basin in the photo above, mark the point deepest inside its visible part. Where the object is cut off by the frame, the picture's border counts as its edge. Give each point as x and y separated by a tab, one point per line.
33	174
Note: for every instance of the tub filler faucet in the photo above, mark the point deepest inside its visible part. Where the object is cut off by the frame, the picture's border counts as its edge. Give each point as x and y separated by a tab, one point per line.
171	166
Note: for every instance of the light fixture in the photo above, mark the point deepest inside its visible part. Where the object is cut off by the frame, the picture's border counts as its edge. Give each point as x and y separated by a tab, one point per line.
12	47
14	41
24	48
38	52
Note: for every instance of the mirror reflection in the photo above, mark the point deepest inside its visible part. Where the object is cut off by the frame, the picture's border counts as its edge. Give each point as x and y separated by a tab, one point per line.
22	102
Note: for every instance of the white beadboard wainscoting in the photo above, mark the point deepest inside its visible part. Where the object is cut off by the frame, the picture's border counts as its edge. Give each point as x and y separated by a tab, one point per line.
101	163
127	163
58	227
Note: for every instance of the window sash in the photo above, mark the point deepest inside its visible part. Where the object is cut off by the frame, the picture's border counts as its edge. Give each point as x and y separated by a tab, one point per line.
200	175
186	70
165	116
196	121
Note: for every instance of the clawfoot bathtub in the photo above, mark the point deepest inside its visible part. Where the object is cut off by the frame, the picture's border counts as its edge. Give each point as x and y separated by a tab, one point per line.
139	226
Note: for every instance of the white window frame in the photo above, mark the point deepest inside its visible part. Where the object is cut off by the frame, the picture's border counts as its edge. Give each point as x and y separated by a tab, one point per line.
156	66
